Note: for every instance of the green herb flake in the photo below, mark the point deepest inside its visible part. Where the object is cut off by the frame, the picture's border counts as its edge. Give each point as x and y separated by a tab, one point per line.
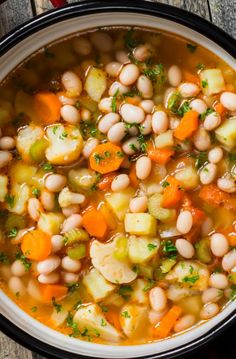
98	158
125	290
165	184
183	109
103	323
174	102
4	258
133	147
149	285
104	308
233	293
54	129
120	154
72	287
125	314
206	113
36	192
142	140
47	166
232	157
10	199
107	154
130	41
191	47
168	248
12	233
34	309
113	101
70	323
25	261
200	158
200	67
57	306
191	279
204	83
63	135
132	93
151	246
156	73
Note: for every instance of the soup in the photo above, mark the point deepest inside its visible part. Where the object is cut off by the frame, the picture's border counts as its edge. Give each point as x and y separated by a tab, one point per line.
117	185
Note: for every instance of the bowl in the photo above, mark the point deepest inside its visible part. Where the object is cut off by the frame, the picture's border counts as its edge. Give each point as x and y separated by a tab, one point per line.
21	43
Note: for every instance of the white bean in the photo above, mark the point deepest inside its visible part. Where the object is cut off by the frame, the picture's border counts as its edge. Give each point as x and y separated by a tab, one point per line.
102	41
174	123
70	114
209	310
219	244
7	143
157	298
18	268
202	140
34	208
72	209
154	316
120	182
48	265
227	185
65	100
146	126
70	265
57	242
16	286
133	131
55	182
143	52
72	83
122	56
229	260
131	146
129	74
50	278
119	88
147	105
206	226
117	132
47	200
144	85
89	146
208	173
174	76
108	121
211	295
228	100
212	121
198	105
168	93
185	248
184	222
113	68
74	221
218	280
143	167
105	105
138	204
70	277
82	46
33	289
184	323
132	113
5	158
85	114
215	155
188	89
160	122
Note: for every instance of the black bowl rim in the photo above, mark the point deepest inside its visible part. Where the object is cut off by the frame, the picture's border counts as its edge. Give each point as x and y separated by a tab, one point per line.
86	7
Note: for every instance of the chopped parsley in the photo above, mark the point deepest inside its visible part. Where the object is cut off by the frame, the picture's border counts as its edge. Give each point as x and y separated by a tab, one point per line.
191	279
133	92
98	158
204	83
165	184
77	105
232	157
143	142
130	41
103	323
63	135
70	323
183	109
125	290
34	309
25	261
125	314
206	113
57	306
191	47
12	233
54	130
4	258
200	66
72	287
174	102
169	248
107	154
149	285
36	192
151	246
233	293
47	166
133	147
104	308
10	199
120	154
156	73
113	101
200	158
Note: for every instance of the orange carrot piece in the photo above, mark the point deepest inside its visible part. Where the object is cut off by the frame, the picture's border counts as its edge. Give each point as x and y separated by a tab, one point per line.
160	155
172	194
106	158
133	177
164	327
230	233
50	291
94	223
105	182
190	77
113	318
36	245
47	107
188	124
220	109
212	195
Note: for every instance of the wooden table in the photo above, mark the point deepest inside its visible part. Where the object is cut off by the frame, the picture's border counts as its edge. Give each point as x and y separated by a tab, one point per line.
14	12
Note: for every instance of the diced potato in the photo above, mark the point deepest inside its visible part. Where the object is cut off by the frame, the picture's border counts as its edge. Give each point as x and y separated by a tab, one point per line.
142	224
25	138
50	222
91	318
142	249
191	305
167	264
23	173
164	139
58	318
162	214
114	299
119	202
188	177
3	187
132	319
82	178
113	269
95	83
226	133
213	81
65	144
139	295
20	196
97	286
168	231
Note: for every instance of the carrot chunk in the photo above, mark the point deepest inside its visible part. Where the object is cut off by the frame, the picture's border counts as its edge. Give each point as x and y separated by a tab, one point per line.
94	223
47	107
220	109
188	124
172	194
212	195
160	155
36	245
112	317
164	327
50	291
106	181
106	158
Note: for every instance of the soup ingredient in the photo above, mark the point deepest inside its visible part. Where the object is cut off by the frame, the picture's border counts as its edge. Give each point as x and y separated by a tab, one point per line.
36	245
50	291
184	222
142	224
166	324
98	287
185	248
188	124
219	244
212	81
72	84
95	83
47	107
37	150
132	318
158	299
209	311
94	223
228	100
142	249
27	136
226	133
172	194
143	167
106	158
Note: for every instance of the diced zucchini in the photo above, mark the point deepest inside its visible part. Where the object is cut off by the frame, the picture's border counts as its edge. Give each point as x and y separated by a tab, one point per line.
77	252
226	133
82	179
20	195
3	187
212	81
97	286
91	319
132	318
188	177
164	139
142	249
37	150
50	222
155	209
191	305
203	251
95	83
142	224
167	264
119	202
76	235
121	248
138	294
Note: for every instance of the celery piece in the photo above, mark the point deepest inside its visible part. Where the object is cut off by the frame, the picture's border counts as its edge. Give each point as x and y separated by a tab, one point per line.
155	209
76	235
121	248
14	221
167	264
77	252
203	251
37	150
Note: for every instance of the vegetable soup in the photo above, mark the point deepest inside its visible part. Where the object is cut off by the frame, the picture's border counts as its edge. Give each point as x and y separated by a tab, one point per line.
118	185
